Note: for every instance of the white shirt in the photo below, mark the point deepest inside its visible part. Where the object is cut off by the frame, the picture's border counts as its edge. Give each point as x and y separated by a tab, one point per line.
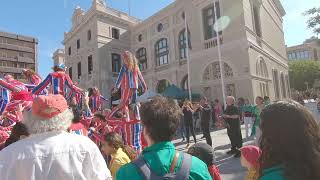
53	156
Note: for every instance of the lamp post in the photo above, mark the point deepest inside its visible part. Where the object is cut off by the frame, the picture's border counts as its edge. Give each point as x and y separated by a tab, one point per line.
216	29
187	54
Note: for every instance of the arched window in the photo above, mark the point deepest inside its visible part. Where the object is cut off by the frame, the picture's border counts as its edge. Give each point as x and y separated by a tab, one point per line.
162	85
261	68
212	72
183	44
162	52
141	55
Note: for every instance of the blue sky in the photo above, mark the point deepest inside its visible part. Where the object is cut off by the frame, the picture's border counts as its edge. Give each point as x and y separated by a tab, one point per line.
49	19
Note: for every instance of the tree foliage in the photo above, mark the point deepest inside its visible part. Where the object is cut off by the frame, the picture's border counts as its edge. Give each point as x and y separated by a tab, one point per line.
302	72
314	19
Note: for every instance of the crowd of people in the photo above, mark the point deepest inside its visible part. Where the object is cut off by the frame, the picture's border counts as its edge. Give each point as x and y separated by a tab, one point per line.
52	129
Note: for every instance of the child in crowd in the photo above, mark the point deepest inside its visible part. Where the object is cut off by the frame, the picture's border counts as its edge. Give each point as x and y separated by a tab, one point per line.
77	127
250	159
205	153
19	131
112	145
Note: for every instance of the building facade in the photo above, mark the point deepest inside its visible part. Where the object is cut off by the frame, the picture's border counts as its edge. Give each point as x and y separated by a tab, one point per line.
251	36
309	50
58	56
17	52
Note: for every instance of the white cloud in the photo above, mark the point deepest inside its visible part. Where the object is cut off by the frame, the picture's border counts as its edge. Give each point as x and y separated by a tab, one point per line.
295	22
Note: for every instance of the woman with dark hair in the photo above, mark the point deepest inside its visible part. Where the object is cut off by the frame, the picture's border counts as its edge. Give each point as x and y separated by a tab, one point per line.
121	154
256	114
289	142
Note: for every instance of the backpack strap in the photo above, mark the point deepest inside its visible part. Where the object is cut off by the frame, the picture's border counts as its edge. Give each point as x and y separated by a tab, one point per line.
182	174
184	171
174	162
143	168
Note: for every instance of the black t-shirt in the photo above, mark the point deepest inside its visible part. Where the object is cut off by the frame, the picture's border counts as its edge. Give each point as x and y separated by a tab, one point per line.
231	110
205	112
187	114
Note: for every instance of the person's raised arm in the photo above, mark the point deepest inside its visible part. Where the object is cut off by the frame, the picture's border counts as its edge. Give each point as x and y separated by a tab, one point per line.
8	86
71	85
37	90
119	79
142	82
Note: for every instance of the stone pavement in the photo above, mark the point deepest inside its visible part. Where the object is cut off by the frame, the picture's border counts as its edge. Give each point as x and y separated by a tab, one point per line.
230	167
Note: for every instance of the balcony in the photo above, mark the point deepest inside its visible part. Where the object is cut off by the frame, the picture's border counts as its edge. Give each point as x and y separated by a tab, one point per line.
18	59
25	59
213	42
16	48
10	69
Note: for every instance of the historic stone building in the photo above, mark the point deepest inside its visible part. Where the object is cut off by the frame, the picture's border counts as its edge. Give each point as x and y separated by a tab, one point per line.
16	53
251	37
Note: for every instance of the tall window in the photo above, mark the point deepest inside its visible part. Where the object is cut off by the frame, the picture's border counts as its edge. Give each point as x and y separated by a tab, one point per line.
162	52
115	33
183	44
89	35
185	83
69	50
78	44
70	72
90	65
142	58
287	84
208	15
257	20
275	75
283	86
116	62
79	70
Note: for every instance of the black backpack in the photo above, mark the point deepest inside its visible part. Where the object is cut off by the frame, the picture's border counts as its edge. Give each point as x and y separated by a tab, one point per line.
182	174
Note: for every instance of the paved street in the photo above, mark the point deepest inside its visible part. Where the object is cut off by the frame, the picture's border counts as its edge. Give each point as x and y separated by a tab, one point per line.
229	166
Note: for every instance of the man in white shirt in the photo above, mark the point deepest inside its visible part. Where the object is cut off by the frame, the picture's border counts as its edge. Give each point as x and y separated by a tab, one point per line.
50	153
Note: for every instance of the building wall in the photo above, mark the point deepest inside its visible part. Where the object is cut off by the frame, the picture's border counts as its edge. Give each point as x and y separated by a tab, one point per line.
241	48
272	29
16	53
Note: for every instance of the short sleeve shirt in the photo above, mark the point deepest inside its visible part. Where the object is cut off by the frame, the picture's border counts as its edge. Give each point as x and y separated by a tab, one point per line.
231	110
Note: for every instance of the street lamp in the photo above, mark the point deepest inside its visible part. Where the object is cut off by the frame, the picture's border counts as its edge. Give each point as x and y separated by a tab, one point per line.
216	29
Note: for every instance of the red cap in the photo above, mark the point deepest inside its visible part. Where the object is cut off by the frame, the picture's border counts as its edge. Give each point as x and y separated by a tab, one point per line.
251	154
49	106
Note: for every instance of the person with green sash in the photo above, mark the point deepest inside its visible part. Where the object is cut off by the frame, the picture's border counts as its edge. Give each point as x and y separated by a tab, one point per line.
247	113
256	132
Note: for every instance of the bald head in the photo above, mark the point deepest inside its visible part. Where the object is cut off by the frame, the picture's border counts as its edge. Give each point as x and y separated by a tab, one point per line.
230	100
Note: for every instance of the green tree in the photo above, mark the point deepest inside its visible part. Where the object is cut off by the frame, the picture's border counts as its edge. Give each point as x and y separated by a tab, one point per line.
302	72
314	19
